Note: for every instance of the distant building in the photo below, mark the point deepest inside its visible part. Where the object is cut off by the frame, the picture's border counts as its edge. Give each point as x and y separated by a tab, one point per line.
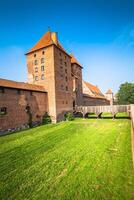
54	85
92	95
110	96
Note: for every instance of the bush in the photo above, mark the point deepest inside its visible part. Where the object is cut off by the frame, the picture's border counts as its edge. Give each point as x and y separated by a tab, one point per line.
69	116
46	119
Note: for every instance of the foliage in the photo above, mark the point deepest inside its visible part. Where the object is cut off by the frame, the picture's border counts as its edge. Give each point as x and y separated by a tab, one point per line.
28	111
46	119
69	116
125	94
82	159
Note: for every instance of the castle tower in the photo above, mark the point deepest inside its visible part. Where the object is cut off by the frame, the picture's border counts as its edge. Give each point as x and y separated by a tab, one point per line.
49	65
109	96
77	82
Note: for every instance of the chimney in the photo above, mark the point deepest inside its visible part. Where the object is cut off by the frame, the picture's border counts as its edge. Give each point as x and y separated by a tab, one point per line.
54	36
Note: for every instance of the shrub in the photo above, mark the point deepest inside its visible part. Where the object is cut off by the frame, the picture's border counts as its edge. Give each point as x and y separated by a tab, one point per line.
46	119
69	116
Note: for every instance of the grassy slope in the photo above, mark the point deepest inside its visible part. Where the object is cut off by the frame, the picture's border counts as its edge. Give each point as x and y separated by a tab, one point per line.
84	159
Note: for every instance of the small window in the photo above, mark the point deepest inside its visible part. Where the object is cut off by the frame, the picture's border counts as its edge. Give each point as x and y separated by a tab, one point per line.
65	70
61	67
31	93
65	57
66	102
65	64
2	90
66	88
66	78
35	55
43	52
62	87
36	62
42	68
42	60
36	78
18	91
61	61
42	77
36	69
3	111
60	53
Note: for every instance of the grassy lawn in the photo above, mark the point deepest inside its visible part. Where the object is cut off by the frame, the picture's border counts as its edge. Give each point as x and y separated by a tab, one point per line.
80	160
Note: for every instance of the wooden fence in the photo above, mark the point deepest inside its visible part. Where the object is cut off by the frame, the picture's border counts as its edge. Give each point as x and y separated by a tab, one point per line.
98	110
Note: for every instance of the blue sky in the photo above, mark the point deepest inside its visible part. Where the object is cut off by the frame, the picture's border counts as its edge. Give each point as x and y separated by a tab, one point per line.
100	33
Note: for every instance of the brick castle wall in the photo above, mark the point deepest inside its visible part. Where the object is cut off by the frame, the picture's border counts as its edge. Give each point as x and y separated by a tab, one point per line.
88	101
16	101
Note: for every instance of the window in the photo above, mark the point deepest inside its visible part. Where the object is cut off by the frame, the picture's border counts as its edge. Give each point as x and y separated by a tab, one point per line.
34	55
65	57
42	60
36	78
36	62
18	91
62	87
61	61
66	102
61	67
43	52
66	88
42	68
31	93
42	77
65	70
60	53
36	69
66	78
65	64
3	111
2	90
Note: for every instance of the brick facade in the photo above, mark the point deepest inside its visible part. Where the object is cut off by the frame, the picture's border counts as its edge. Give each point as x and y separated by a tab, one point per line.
54	85
16	101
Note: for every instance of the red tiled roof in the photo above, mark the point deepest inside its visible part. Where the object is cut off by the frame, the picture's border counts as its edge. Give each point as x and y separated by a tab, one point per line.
93	97
74	60
21	85
95	90
45	41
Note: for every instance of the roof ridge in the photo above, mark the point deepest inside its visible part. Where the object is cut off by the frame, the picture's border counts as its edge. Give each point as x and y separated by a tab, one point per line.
20	85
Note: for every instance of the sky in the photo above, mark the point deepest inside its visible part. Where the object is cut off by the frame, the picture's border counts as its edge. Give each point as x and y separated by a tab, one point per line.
100	33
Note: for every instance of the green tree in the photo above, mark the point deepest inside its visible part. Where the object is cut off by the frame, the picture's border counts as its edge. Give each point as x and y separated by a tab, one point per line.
125	94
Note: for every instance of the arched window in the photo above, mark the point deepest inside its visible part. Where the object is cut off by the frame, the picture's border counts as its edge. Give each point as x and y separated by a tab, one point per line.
36	69
36	62
42	60
36	78
3	111
42	68
42	77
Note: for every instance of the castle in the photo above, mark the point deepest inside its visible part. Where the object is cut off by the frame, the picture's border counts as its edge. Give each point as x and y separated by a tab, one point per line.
55	86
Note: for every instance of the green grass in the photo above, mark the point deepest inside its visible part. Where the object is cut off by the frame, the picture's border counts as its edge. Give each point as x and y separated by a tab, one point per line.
80	160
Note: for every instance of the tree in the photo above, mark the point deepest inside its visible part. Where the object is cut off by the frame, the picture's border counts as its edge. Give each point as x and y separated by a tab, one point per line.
125	94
